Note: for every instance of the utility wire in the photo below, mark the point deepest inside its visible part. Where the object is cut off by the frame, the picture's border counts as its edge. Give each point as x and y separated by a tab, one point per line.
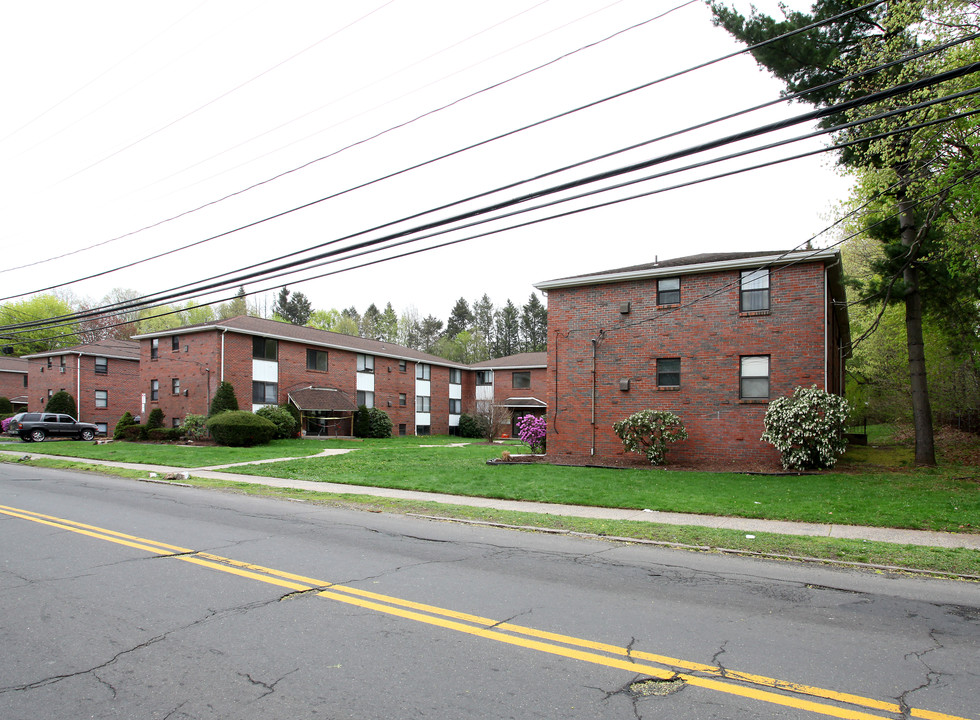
805	117
344	149
440	157
290	270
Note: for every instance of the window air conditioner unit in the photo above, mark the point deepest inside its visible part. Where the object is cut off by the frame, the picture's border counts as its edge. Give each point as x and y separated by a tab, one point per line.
61	369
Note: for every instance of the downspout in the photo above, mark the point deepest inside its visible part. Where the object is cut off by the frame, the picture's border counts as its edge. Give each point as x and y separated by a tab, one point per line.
594	342
78	385
222	373
826	328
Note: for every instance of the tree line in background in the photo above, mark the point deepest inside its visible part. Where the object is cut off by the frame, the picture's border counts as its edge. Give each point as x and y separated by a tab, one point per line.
471	333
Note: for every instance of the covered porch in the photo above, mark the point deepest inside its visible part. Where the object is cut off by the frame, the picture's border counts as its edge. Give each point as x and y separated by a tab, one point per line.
324	412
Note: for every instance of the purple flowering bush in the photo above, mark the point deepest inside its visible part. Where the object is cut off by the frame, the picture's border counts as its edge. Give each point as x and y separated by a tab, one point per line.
4	424
533	432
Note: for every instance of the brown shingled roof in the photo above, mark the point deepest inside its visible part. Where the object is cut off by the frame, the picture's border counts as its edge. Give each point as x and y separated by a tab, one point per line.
322	399
313	336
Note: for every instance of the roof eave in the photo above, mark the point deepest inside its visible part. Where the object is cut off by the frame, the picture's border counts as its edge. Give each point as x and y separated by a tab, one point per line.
655	272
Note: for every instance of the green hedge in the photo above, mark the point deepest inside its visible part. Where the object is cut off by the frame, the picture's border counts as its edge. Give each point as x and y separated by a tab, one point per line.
237	428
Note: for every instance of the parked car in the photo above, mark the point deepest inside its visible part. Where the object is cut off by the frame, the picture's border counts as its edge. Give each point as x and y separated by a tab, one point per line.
34	427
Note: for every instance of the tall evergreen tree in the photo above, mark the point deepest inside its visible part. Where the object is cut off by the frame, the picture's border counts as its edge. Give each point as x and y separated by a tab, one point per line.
534	325
483	325
296	309
428	332
460	319
387	326
507	331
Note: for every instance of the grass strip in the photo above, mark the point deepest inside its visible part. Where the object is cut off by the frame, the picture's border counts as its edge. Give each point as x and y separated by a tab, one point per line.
875	556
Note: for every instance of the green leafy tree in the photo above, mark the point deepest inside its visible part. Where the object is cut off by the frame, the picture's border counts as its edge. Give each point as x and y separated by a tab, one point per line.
235	307
224	399
62	402
919	173
30	326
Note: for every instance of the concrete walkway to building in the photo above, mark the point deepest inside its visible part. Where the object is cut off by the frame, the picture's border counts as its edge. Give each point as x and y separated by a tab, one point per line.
748	525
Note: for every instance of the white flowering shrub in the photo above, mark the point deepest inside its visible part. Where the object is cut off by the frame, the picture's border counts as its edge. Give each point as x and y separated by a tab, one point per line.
807	428
649	431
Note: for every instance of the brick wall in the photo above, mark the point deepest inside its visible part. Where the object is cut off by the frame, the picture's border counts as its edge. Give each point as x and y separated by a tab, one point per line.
709	337
195	364
12	385
121	381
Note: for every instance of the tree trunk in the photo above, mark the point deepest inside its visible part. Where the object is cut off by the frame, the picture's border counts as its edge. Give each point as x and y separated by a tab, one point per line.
925	451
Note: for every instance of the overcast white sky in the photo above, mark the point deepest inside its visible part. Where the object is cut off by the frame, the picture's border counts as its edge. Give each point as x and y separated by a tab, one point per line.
120	115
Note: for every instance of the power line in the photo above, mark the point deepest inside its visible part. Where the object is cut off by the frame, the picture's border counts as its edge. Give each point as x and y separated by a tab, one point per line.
367	246
344	149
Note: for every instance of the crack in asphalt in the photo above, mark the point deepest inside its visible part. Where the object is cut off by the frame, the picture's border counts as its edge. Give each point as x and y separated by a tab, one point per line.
931	677
269	687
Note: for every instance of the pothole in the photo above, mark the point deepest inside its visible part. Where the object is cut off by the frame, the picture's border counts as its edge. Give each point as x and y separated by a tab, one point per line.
656	686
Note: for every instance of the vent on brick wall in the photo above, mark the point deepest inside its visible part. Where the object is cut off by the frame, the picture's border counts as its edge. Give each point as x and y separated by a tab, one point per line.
624	384
185	393
624	307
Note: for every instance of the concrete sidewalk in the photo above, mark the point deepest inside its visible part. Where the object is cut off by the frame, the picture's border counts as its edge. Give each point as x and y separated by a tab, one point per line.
748	525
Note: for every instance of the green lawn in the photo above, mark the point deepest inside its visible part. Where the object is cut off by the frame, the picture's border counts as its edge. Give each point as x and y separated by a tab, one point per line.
947	499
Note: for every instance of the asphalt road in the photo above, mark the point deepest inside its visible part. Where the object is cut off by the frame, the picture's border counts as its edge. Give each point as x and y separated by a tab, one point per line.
121	599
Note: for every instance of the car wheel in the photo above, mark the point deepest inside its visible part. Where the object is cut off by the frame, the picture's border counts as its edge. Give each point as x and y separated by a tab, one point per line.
87	435
36	435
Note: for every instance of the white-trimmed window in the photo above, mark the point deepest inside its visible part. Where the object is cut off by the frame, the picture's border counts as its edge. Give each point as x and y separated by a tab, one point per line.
101	398
423	371
668	372
154	390
422	403
754	290
154	348
265	393
455	376
264	348
365	363
455	406
484	377
175	386
754	377
365	398
317	360
668	291
101	366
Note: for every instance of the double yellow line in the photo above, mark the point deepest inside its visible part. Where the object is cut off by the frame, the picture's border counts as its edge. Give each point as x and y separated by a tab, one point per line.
757	687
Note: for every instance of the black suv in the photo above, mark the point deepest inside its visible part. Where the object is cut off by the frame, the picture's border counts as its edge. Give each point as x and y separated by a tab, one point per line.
34	427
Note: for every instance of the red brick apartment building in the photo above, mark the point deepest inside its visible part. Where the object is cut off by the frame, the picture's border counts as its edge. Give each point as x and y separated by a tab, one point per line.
13	381
517	384
712	338
326	375
103	377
